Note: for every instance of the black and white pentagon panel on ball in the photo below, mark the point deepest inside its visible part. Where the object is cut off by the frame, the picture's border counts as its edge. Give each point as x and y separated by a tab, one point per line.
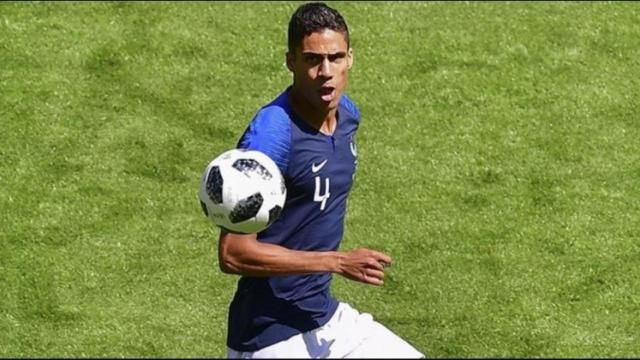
242	191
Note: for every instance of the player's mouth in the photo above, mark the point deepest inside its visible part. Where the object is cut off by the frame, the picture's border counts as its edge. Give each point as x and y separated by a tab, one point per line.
327	93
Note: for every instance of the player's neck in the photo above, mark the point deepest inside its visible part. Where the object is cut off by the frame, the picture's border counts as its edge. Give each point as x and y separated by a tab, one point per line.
323	121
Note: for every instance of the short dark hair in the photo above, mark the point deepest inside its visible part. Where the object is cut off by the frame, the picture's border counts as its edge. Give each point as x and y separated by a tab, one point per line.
314	17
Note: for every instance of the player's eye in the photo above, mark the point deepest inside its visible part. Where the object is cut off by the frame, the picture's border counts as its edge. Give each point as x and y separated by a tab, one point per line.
338	57
313	59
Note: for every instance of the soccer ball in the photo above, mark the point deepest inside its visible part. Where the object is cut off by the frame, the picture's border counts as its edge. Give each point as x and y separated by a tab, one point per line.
242	191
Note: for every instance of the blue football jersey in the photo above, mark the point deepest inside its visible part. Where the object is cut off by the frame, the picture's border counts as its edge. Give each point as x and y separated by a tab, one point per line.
318	170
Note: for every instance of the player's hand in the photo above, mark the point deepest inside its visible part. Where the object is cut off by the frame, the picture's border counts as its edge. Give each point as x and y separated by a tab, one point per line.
364	265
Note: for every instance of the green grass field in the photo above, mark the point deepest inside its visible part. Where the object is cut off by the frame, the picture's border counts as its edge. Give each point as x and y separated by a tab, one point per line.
499	167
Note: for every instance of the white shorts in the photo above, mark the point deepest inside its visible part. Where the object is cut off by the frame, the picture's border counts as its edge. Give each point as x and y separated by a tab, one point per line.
348	334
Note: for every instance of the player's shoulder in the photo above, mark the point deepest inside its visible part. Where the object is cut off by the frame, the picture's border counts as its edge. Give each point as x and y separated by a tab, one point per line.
270	132
273	116
350	106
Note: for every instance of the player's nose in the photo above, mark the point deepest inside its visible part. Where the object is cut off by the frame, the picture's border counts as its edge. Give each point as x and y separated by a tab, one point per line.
324	69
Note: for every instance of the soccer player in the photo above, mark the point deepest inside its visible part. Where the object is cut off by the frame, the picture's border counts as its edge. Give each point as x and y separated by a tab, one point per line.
283	306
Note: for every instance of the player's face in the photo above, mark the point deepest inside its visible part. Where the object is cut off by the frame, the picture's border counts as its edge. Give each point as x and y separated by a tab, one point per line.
320	68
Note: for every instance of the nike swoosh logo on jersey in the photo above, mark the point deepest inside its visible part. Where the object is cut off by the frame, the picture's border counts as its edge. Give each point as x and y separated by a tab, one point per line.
315	168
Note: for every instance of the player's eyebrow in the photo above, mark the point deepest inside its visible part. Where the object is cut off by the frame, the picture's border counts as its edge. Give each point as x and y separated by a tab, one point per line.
338	53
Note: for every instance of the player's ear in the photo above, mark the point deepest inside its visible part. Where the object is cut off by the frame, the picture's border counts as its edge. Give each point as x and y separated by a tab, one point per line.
290	57
350	58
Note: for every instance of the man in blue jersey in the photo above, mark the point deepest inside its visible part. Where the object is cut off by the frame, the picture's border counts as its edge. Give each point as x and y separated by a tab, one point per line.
283	306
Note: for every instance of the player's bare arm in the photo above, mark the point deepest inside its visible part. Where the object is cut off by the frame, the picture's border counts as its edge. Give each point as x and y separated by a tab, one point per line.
243	254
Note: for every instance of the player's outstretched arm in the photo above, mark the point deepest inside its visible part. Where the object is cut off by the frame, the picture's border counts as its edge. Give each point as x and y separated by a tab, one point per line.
243	254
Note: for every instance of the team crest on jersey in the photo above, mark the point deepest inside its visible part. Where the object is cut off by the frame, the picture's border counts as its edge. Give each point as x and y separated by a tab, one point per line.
354	152
354	148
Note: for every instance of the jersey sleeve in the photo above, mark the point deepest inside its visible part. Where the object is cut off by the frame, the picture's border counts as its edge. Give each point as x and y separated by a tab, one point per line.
351	107
269	132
